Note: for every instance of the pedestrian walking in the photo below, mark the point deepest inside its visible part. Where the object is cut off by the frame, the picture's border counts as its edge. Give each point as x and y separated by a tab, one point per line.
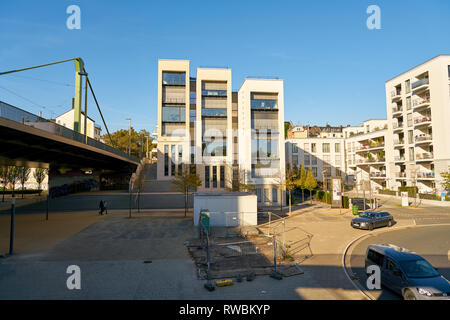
105	205
102	207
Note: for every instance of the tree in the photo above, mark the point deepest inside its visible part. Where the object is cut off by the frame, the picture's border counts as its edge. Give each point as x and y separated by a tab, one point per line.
39	174
24	173
310	182
121	141
239	183
13	176
185	181
292	181
446	176
302	180
4	177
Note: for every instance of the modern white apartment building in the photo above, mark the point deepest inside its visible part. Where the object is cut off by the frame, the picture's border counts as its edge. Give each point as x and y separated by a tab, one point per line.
365	147
261	136
418	111
325	156
356	156
217	132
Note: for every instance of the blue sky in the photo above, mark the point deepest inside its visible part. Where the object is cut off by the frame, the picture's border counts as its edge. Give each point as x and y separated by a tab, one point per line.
333	66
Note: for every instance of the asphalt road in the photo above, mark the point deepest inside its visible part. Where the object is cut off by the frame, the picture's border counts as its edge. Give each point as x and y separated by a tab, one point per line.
431	242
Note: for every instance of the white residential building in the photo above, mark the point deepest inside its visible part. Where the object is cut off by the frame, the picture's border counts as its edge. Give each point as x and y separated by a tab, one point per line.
418	111
219	133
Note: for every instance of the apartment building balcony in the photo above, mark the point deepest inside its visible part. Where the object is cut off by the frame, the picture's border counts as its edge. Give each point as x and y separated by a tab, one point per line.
426	156
420	85
422	121
425	175
423	139
397	111
396	95
264	105
378	175
398	142
370	161
399	159
421	103
174	100
400	175
369	147
397	126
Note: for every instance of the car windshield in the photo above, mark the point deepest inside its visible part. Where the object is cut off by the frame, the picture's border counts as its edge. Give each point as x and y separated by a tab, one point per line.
418	269
367	214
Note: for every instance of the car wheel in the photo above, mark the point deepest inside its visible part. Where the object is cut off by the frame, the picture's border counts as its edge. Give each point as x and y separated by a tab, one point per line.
408	295
371	227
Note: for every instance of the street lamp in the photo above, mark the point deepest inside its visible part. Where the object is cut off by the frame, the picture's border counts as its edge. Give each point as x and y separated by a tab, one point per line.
129	135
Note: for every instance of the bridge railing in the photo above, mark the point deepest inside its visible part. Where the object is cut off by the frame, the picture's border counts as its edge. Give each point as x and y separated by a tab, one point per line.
10	112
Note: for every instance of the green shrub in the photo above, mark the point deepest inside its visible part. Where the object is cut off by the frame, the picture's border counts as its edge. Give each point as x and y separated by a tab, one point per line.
411	190
345	202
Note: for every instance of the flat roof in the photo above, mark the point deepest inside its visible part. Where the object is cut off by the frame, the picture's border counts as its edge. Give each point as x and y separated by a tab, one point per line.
438	56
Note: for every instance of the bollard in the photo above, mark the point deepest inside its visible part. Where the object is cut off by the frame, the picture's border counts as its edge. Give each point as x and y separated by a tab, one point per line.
11	232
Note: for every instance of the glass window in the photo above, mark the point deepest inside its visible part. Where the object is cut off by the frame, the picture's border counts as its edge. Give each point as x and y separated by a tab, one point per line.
307	160
214	148
411	154
192	115
274	195
294	148
214	178
172	160
313	160
222	176
313	147
408	86
337	147
266	195
325	147
408	103
166	160
174	78
206	176
410	136
214	112
263	104
409	119
314	171
192	97
258	194
173	114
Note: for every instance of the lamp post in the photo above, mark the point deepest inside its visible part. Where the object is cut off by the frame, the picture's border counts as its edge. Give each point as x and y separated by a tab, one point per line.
129	135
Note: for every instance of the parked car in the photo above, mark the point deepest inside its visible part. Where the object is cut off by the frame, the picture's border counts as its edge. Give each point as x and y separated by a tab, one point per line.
370	220
359	202
407	273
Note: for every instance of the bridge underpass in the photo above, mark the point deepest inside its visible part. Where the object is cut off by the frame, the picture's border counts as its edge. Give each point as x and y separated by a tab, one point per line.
31	141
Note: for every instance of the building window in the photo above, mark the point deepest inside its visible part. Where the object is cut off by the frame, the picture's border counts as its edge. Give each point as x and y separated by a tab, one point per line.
314	171
222	176
306	147
411	154
274	195
294	148
337	148
325	147
214	177
172	160
313	147
166	160
408	86
180	159
192	95
338	172
258	194
410	136
409	119
174	78
338	159
408	103
206	176
295	160
313	160
307	160
266	195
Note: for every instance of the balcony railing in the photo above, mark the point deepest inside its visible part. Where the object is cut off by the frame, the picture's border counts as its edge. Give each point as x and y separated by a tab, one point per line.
399	158
178	100
424	156
366	161
421	120
420	82
399	141
214	112
397	109
378	175
418	102
426	175
424	137
395	93
397	125
214	93
264	104
400	174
